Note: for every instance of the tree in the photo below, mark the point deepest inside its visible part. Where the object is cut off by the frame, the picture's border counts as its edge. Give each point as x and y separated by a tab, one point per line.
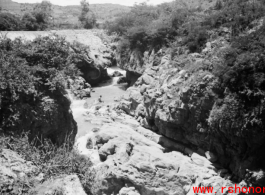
39	18
43	12
9	22
30	22
218	5
86	17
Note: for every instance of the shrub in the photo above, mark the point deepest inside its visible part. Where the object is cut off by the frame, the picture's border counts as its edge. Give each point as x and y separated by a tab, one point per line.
147	27
30	22
90	21
120	25
9	22
197	38
243	75
237	14
31	70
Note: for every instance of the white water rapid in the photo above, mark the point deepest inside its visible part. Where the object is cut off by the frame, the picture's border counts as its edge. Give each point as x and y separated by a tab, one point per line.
109	91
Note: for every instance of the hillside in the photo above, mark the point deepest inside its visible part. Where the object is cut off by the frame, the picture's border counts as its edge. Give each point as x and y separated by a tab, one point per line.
195	4
68	14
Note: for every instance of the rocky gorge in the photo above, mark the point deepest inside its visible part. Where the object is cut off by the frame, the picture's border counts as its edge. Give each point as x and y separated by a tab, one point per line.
183	100
161	136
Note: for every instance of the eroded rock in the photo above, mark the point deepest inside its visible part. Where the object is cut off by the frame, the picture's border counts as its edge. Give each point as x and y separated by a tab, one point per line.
63	185
14	170
134	161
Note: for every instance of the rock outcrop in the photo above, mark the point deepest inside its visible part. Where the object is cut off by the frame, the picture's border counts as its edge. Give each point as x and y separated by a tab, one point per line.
63	185
14	171
180	98
79	87
117	74
129	159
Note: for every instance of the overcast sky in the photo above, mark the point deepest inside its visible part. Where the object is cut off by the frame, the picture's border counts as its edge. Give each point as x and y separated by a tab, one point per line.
77	2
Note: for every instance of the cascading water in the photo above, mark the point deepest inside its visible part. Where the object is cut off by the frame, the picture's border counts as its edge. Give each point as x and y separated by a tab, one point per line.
109	91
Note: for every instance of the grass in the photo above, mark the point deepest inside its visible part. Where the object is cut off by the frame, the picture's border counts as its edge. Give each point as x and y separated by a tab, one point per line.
50	160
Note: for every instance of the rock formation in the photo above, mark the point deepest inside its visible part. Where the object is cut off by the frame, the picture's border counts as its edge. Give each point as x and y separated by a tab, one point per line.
63	185
129	159
14	170
79	87
179	98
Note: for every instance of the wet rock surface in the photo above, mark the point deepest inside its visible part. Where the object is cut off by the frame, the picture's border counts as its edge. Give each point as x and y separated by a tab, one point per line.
117	74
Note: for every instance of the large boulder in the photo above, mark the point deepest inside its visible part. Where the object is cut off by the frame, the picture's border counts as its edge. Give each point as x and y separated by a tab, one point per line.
117	74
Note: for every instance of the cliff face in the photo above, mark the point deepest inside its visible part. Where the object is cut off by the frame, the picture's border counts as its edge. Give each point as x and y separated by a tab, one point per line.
135	65
184	100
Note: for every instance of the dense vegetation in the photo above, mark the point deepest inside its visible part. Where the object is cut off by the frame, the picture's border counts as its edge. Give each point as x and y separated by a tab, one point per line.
243	76
31	70
226	43
147	27
42	16
66	17
29	73
37	19
9	22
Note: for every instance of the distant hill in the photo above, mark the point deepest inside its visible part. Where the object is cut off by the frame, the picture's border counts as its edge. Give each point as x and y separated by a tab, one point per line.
65	15
68	14
193	4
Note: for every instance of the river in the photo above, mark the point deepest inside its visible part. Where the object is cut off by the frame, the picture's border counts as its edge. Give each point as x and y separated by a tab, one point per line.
109	92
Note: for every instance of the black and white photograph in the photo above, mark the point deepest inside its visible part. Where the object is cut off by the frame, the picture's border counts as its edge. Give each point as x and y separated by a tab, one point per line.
132	97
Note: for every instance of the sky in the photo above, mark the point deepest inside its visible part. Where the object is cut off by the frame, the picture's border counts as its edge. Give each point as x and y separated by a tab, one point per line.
77	2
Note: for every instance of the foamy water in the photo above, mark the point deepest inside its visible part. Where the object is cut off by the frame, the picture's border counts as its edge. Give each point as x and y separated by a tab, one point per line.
109	92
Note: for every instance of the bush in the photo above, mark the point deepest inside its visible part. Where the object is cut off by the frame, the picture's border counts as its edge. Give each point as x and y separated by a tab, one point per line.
42	13
31	70
243	75
120	25
148	27
237	14
9	22
197	38
90	21
30	22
